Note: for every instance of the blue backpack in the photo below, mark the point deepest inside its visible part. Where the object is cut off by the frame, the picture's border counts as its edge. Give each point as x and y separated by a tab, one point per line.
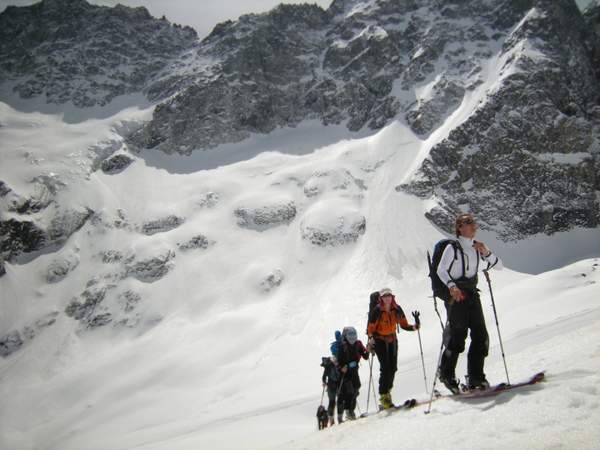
334	347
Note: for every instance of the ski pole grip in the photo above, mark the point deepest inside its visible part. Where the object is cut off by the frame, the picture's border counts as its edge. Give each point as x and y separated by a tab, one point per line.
416	315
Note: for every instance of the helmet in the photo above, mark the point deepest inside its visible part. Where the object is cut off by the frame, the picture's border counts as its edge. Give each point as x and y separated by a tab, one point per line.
350	334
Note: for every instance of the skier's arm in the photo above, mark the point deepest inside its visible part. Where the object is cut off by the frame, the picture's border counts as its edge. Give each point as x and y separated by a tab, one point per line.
404	323
487	256
401	320
443	270
493	262
362	350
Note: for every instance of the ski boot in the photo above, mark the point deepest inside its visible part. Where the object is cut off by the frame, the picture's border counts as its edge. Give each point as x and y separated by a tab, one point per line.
350	414
477	383
451	384
340	418
385	401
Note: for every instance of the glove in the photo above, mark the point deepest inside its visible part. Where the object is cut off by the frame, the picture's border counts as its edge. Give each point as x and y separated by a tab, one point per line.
416	315
371	345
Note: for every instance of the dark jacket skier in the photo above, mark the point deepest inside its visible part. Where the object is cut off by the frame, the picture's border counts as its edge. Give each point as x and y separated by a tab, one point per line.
349	355
383	321
458	269
331	379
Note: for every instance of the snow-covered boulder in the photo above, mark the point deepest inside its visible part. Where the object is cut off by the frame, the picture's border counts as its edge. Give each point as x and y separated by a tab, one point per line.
209	200
161	225
60	267
116	164
4	189
129	300
197	242
332	180
15	339
83	308
151	269
66	222
272	281
10	343
111	256
259	214
332	223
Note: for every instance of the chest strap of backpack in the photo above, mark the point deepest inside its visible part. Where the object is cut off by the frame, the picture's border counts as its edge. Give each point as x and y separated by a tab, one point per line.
455	244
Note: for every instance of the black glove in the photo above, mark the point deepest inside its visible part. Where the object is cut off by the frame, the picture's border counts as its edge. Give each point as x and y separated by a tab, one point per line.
416	315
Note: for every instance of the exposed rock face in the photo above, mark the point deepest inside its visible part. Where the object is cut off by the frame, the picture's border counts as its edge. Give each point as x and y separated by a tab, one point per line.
264	217
18	237
111	256
116	164
527	161
197	242
356	63
161	225
70	50
85	310
151	269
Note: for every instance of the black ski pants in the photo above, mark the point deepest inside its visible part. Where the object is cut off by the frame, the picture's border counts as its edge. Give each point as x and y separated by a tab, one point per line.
464	316
349	390
387	354
331	394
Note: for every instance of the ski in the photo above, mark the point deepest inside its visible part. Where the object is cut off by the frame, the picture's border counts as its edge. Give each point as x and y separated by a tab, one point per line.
408	404
498	388
489	392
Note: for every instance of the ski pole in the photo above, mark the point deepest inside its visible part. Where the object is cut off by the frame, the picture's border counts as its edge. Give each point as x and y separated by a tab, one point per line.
437	311
370	381
487	277
439	362
373	387
416	315
323	394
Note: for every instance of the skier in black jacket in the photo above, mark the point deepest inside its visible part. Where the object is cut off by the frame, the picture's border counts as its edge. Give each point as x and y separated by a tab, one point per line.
331	379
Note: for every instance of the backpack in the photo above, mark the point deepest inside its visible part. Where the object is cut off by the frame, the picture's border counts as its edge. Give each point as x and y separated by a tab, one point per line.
440	290
373	302
334	347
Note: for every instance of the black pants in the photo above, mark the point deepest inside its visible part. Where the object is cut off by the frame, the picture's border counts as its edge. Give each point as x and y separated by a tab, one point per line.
349	391
331	394
464	316
387	354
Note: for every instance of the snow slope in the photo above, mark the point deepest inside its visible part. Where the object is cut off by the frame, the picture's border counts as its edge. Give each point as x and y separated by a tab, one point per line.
223	350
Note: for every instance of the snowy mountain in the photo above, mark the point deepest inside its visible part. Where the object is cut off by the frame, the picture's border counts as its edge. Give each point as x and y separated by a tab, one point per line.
72	51
167	297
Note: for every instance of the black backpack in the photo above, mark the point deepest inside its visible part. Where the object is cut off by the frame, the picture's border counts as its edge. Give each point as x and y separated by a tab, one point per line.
373	302
440	290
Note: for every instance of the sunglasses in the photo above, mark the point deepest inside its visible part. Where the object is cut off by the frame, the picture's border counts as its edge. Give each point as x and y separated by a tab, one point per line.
467	221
